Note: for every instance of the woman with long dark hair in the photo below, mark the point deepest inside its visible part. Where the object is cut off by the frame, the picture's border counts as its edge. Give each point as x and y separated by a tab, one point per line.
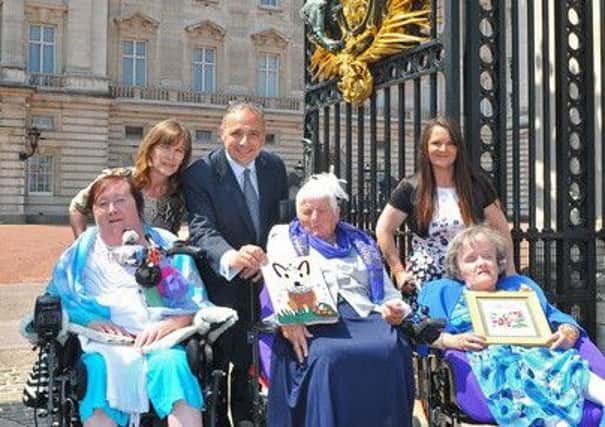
163	155
442	198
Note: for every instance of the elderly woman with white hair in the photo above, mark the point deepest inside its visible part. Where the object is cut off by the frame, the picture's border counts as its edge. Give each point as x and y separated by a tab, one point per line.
357	372
522	386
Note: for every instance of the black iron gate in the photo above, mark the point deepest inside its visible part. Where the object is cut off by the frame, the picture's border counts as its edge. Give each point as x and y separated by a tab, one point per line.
518	75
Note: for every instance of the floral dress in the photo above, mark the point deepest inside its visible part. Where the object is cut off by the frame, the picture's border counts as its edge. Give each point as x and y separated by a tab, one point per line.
427	258
527	386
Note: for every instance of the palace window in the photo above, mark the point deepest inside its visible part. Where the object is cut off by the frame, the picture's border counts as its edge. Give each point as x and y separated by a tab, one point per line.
203	136
134	63
267	75
40	174
41	58
204	69
43	122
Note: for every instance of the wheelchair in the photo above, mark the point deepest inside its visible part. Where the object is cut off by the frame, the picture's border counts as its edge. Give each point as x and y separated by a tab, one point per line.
58	380
451	395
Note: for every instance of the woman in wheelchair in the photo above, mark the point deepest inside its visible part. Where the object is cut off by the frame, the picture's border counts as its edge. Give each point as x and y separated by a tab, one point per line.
523	386
358	371
95	279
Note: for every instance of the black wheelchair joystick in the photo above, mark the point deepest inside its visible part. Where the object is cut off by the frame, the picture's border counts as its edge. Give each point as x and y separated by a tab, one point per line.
420	328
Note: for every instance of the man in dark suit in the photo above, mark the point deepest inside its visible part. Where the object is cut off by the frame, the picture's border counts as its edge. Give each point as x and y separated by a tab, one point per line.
233	196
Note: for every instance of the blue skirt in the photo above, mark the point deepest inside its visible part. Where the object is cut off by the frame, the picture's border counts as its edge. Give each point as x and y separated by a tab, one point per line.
358	373
169	380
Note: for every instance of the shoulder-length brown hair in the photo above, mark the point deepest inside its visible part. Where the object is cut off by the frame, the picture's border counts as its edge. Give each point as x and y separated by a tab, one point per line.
426	188
167	132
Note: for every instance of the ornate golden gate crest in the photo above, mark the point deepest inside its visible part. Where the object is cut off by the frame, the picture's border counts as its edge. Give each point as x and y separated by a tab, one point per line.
351	34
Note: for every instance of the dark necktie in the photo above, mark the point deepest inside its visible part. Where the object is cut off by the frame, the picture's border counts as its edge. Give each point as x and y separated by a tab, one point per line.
251	201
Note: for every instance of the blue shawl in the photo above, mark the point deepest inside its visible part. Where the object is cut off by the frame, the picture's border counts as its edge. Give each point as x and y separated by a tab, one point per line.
347	238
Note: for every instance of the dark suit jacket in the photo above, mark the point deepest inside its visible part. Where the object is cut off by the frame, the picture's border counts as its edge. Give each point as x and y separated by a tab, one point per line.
219	219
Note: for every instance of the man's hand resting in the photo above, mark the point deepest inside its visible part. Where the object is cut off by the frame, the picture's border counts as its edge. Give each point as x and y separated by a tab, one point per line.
248	261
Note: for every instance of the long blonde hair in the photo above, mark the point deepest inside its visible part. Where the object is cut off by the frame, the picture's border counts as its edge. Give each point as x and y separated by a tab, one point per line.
166	132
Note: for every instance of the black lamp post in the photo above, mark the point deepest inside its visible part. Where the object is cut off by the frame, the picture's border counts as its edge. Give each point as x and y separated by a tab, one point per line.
32	137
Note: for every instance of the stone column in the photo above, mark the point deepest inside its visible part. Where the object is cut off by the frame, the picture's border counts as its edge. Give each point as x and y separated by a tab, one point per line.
79	47
99	30
86	61
12	61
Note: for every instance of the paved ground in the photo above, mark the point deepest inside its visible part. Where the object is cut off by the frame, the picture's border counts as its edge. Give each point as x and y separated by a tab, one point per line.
26	260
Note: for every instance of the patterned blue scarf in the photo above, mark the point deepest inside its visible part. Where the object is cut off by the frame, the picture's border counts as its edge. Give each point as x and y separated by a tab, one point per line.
347	237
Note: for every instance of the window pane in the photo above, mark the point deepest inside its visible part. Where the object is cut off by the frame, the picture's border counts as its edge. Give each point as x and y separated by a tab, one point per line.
40	174
197	78
203	136
127	71
140	48
209	78
140	70
210	55
49	34
197	55
33	66
133	132
272	62
260	84
127	46
49	60
34	32
43	122
271	84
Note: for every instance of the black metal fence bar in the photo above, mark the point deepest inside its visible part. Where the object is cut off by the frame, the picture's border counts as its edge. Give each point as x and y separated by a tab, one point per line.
546	137
531	134
401	140
387	185
360	193
337	148
349	152
373	167
500	95
515	117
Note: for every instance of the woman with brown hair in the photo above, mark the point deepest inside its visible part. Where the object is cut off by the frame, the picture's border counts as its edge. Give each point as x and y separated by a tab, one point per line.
442	198
163	155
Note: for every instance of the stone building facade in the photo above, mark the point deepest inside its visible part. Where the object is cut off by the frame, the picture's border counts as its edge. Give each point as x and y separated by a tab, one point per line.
94	75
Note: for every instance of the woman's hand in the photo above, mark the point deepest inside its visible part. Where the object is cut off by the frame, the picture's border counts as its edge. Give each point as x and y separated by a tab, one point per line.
108	328
404	280
297	335
393	312
466	342
161	329
564	338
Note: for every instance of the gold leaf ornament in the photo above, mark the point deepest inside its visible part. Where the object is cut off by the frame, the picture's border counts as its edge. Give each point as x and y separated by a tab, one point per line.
372	30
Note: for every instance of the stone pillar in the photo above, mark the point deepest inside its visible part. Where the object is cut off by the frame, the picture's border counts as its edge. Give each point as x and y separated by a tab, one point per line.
99	31
79	47
12	61
170	48
86	61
